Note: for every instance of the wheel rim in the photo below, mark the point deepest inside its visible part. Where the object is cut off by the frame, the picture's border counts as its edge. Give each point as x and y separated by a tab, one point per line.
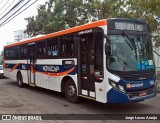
71	90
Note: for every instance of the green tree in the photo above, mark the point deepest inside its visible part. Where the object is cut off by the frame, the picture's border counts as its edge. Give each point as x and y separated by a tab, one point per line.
57	15
148	10
62	14
108	8
36	25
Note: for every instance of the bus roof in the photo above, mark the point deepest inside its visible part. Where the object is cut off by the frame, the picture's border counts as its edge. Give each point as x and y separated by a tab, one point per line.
63	32
127	19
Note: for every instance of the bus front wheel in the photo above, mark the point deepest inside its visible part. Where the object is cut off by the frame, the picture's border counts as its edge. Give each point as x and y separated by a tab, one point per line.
71	92
20	80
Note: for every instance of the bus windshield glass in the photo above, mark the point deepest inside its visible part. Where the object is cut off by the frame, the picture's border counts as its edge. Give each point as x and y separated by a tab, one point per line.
130	53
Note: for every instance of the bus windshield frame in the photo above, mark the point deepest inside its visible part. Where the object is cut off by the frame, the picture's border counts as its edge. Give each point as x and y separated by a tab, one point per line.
130	46
130	53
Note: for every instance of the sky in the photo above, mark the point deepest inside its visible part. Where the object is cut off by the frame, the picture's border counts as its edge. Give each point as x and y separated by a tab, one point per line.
18	23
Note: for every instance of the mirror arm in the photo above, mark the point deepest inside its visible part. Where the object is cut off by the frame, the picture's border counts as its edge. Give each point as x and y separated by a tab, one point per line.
107	44
106	36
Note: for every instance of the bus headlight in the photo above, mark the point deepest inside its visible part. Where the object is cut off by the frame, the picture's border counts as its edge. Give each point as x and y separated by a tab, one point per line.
112	83
117	86
121	88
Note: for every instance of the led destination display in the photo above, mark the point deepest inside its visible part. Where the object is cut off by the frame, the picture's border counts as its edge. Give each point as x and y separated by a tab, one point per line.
130	26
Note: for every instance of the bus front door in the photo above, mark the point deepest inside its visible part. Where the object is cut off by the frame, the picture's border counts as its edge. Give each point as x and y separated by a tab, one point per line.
31	63
86	65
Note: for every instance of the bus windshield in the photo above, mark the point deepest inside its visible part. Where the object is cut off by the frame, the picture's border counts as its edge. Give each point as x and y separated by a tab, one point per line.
130	53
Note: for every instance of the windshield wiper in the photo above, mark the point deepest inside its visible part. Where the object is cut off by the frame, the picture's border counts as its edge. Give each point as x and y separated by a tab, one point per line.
130	42
124	62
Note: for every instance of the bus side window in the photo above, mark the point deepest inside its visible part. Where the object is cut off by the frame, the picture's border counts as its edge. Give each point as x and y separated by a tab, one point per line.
17	52
67	46
6	53
52	48
11	53
41	50
23	52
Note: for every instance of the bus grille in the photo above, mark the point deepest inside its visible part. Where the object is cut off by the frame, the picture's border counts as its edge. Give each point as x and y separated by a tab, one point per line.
135	75
136	94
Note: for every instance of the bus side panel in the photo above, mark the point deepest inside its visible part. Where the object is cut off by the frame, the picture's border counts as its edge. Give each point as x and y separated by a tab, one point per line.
13	66
39	80
43	78
6	73
24	71
48	79
54	83
8	70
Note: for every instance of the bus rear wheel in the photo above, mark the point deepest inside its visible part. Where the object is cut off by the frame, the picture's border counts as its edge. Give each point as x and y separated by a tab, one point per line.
20	80
71	92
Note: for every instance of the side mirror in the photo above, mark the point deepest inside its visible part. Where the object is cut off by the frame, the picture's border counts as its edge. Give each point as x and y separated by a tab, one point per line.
107	48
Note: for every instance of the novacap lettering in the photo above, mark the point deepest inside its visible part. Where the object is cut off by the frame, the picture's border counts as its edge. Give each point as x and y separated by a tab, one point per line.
51	68
137	85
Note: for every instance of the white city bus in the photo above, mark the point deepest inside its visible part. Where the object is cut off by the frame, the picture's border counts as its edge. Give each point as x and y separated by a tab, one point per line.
109	61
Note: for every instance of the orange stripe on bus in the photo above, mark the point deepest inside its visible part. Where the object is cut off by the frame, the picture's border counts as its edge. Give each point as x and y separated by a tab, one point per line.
15	66
58	74
32	69
67	31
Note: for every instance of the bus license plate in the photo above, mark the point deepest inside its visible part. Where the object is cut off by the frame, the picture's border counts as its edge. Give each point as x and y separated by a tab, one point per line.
144	93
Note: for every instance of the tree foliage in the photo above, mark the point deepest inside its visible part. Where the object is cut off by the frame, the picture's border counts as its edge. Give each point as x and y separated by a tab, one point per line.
56	15
62	14
148	10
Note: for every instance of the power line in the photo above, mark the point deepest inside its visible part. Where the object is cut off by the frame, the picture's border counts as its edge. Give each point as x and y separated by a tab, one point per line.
9	19
4	5
1	1
20	1
16	10
7	7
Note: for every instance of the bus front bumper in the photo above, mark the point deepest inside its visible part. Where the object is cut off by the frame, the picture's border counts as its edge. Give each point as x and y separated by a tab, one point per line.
116	96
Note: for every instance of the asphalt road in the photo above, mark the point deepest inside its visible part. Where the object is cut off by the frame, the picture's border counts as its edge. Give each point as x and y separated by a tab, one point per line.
29	100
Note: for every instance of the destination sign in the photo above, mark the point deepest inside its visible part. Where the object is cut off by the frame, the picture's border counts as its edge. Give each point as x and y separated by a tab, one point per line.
124	25
128	26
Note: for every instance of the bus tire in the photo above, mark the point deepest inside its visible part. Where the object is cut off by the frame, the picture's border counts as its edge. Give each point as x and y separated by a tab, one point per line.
71	91
20	80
